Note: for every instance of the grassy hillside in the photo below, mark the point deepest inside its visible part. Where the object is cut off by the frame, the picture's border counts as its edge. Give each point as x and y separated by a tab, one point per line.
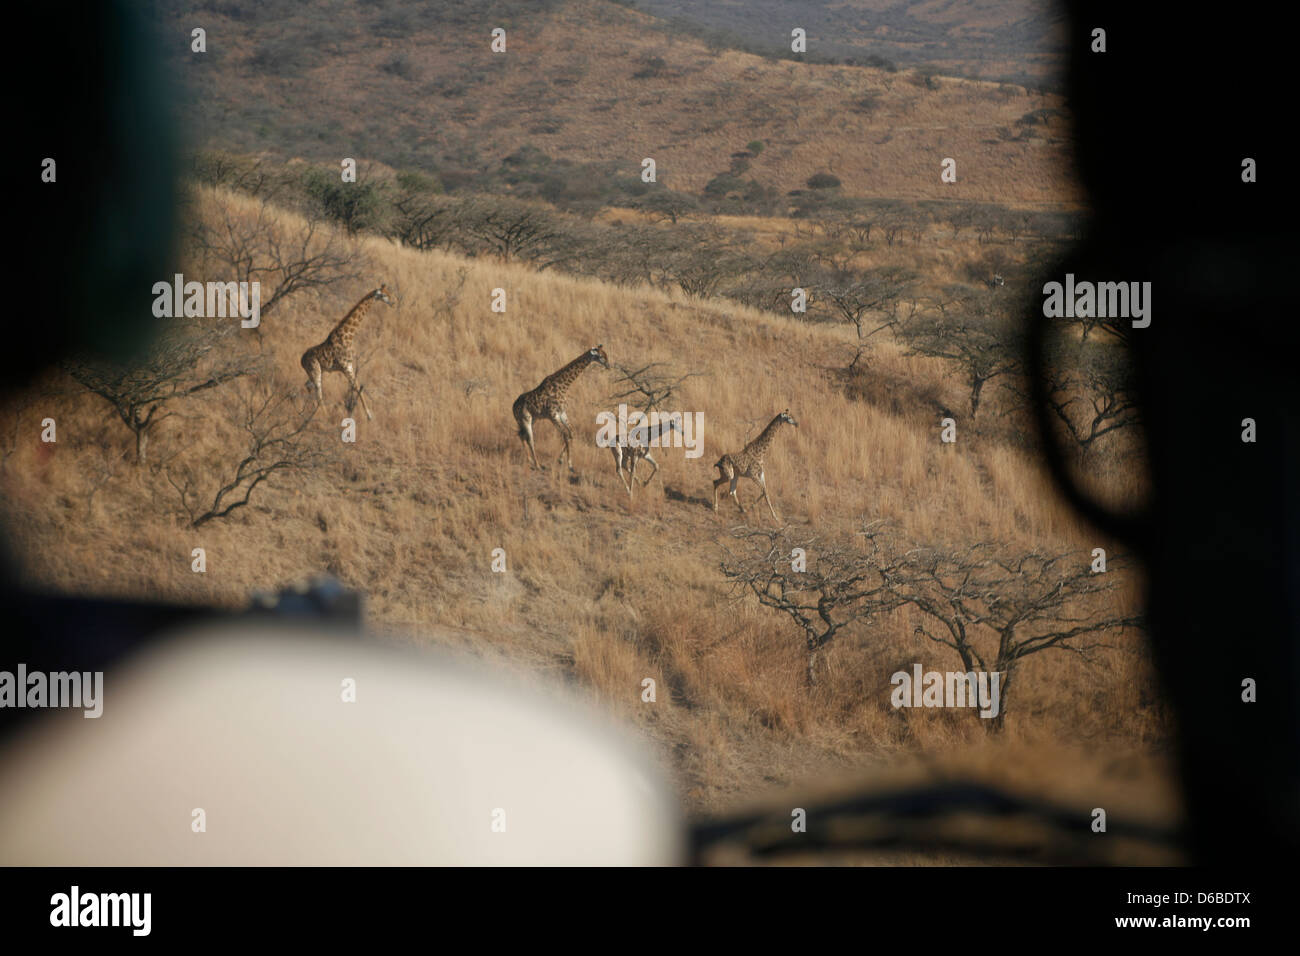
520	172
594	83
988	39
600	591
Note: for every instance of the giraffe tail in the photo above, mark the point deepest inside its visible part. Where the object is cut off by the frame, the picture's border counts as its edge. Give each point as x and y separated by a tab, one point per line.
519	419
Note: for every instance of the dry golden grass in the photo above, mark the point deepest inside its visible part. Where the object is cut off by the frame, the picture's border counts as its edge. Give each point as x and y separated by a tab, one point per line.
567	85
600	591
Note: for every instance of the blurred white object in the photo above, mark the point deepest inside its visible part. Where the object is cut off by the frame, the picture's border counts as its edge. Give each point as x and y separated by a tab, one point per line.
250	725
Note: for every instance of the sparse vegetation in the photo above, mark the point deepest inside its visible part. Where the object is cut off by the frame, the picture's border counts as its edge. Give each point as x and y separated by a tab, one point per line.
688	281
275	441
146	392
302	103
403	514
991	608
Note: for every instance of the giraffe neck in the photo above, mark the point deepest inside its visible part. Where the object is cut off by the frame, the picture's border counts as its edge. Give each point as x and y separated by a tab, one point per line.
759	444
559	382
347	327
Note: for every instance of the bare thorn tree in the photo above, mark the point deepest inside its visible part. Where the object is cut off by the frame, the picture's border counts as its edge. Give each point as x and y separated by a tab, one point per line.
854	297
215	169
973	331
1090	389
265	248
841	585
980	597
423	220
650	387
275	442
509	228
176	367
991	609
699	258
667	205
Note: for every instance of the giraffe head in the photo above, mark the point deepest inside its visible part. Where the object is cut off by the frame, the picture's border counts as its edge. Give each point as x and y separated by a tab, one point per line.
383	294
597	354
786	417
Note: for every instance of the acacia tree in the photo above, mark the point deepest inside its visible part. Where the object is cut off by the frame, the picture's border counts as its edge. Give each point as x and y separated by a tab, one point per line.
839	586
666	205
991	606
275	440
1089	387
959	216
509	228
852	296
771	282
994	607
629	259
699	258
421	218
266	248
356	206
215	168
972	330
175	368
988	220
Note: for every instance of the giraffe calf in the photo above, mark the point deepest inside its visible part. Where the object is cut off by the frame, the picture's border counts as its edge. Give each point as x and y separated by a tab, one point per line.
748	463
627	456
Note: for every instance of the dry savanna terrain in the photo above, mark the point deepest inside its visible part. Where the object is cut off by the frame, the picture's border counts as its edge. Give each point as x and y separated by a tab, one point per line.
1014	40
602	590
594	83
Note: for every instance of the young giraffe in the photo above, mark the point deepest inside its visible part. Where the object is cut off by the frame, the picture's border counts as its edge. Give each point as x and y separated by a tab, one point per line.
634	452
546	401
749	464
336	353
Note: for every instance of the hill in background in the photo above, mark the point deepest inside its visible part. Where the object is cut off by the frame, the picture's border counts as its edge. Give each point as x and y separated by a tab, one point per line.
1019	41
415	85
601	590
520	172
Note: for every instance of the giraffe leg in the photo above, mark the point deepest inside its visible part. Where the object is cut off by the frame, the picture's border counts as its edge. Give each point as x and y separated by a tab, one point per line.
617	451
562	423
567	455
314	384
653	464
718	483
762	483
364	404
631	474
732	491
351	373
525	421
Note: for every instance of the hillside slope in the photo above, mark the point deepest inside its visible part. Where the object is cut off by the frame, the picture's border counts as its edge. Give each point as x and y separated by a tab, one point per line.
988	39
594	82
599	590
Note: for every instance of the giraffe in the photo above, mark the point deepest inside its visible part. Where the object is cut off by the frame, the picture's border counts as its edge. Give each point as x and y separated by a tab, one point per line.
547	401
749	464
336	353
628	455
